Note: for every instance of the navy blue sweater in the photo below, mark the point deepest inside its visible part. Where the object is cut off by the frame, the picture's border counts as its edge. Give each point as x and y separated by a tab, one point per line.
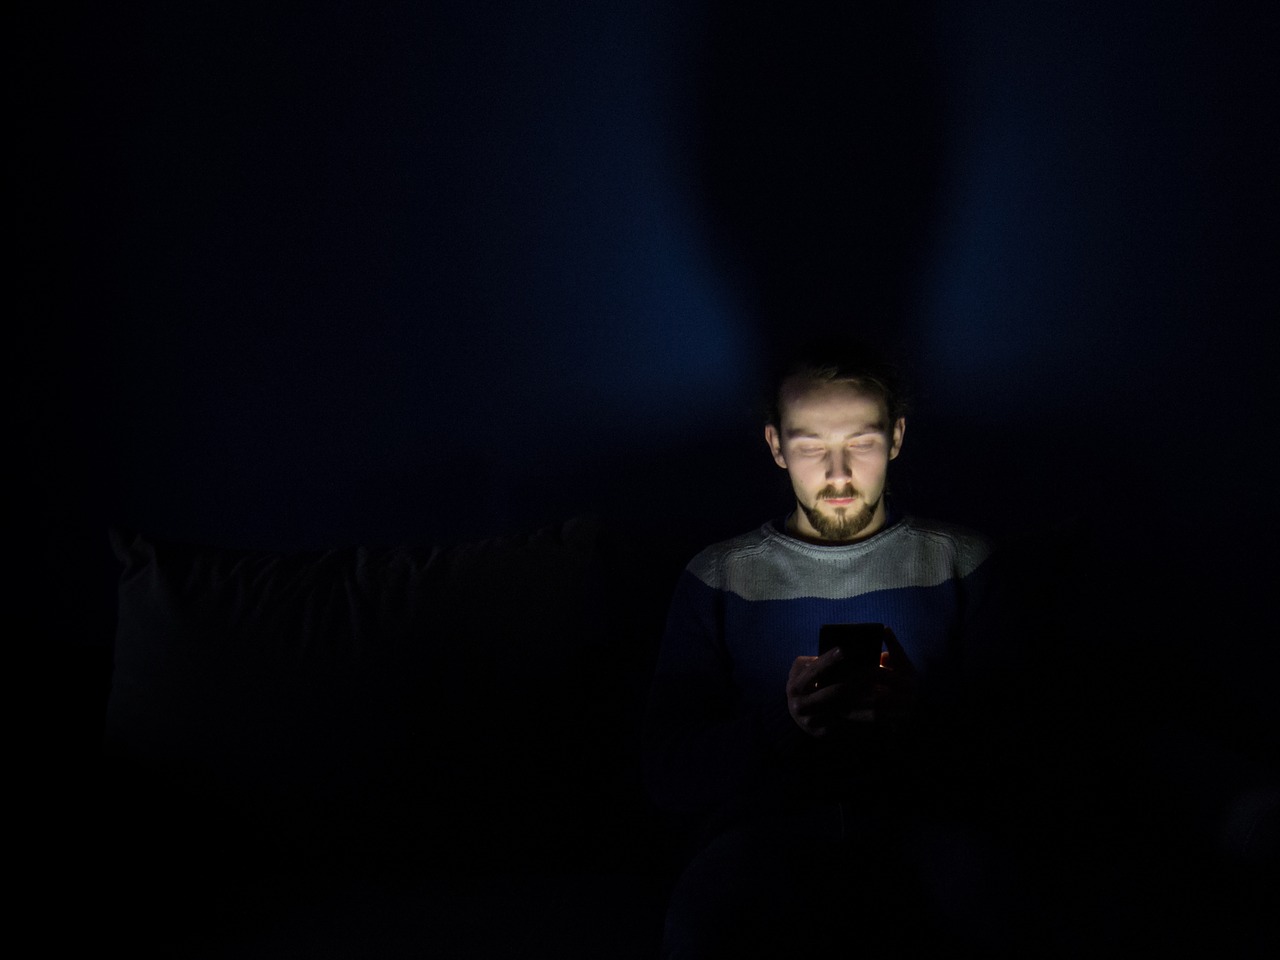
718	730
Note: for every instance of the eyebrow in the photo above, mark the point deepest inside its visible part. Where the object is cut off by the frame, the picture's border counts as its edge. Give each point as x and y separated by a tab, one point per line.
801	433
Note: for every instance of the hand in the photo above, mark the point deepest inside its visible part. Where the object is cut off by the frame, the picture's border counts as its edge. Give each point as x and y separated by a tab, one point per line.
813	706
894	695
818	707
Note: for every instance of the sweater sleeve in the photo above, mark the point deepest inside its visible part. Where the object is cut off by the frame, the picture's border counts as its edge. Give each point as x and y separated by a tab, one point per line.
702	749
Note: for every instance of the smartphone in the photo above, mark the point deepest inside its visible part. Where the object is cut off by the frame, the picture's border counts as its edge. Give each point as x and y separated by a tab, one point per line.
861	644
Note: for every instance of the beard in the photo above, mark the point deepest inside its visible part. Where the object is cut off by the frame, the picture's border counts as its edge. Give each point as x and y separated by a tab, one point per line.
847	523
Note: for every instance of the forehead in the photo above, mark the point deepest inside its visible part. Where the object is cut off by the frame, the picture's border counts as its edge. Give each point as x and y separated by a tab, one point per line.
818	407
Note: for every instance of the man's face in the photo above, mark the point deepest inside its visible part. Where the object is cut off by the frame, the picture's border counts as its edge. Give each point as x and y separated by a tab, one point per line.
836	443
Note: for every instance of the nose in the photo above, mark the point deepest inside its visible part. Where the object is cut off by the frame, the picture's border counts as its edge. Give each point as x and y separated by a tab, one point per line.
838	465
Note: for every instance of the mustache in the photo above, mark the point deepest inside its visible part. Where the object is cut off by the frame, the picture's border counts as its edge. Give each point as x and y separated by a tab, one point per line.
831	493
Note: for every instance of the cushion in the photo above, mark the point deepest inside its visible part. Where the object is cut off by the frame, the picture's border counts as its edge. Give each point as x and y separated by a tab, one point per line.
416	704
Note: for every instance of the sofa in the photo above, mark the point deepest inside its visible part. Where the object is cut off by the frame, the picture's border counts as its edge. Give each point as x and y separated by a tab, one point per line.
385	751
435	751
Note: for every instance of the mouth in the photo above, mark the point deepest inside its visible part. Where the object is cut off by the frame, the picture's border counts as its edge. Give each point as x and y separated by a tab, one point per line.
838	501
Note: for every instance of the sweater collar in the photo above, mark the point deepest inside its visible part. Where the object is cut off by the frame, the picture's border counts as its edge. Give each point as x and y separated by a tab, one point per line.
893	517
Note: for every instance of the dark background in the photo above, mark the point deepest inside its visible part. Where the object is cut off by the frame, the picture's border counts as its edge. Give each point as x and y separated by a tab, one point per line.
295	275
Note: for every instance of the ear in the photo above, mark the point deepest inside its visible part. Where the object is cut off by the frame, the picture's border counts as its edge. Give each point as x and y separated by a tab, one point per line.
899	430
774	440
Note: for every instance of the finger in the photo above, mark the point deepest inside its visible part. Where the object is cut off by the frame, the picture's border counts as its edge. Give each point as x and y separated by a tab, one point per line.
805	671
814	701
861	715
815	730
800	663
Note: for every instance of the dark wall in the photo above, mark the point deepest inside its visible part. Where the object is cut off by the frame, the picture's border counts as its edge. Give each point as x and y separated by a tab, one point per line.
336	266
300	271
296	274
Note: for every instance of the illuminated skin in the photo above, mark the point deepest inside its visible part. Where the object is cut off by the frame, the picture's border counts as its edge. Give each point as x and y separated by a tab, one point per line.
835	444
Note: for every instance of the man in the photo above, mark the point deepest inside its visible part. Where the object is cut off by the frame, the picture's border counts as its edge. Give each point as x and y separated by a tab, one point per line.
796	785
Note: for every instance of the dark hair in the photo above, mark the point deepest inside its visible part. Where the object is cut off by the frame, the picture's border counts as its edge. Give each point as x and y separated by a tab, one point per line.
832	359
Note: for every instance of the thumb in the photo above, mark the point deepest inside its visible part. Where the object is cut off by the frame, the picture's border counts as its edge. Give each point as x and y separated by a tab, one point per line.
895	657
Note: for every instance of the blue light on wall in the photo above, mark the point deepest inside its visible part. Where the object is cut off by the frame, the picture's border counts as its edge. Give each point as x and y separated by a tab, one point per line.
1069	262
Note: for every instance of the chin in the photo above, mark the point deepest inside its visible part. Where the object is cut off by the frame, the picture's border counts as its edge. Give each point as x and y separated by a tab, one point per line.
846	523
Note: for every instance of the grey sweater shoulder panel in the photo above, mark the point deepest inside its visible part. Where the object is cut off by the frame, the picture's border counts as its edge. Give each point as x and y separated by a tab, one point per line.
768	565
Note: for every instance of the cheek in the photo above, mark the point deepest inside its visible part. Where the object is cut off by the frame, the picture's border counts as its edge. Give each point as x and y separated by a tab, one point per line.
805	479
813	474
872	475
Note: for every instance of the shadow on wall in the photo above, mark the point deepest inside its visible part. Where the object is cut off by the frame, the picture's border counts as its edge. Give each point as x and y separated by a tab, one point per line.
820	155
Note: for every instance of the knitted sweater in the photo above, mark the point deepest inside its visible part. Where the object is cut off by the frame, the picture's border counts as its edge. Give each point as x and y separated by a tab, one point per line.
718	729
